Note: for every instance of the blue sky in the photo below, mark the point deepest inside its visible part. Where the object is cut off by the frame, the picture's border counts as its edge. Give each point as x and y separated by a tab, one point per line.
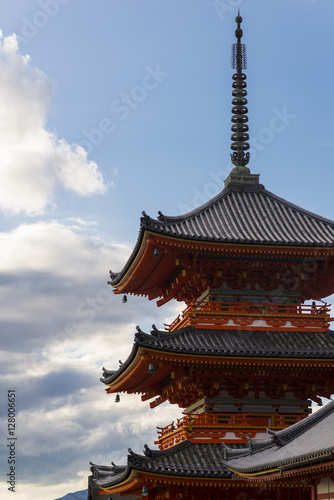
124	106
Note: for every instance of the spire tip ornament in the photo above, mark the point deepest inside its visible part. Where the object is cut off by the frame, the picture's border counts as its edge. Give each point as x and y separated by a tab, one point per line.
240	155
239	119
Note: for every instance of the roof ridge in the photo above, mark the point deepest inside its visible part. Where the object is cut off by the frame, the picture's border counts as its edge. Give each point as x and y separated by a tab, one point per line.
290	433
151	454
170	219
293	439
232	187
297	208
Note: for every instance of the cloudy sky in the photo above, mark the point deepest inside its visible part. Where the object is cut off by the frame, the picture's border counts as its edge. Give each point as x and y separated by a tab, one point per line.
108	108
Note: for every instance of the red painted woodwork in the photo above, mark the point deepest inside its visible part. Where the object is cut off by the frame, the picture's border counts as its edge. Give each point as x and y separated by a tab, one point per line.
232	315
185	269
212	427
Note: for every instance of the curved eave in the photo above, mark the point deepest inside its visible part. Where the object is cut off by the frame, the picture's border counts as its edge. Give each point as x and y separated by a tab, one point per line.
196	464
134	376
239	215
137	478
145	273
128	365
134	254
127	482
136	276
280	469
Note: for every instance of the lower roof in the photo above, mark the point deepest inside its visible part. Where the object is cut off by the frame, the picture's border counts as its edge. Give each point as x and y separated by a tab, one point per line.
185	460
308	441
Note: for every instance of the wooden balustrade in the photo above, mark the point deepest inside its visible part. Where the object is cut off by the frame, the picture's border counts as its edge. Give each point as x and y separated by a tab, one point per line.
212	427
230	315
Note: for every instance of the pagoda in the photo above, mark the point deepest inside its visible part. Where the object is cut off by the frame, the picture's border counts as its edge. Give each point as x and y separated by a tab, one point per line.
251	351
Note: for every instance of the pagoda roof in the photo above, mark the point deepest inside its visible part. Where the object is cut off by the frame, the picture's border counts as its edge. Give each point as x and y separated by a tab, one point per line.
104	475
185	460
241	214
229	343
306	442
309	440
239	342
247	213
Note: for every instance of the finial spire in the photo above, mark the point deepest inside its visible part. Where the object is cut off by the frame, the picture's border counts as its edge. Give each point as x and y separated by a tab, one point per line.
239	119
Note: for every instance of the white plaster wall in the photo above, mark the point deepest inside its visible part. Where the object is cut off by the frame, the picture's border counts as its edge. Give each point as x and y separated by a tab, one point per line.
323	486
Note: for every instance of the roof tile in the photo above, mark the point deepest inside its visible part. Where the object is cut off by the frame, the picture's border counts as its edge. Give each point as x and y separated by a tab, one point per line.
248	214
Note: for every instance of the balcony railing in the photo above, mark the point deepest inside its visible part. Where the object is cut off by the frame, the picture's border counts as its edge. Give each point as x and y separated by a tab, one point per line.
246	315
212	427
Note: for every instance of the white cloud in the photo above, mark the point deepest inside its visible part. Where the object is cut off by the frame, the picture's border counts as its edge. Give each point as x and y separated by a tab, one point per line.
60	324
34	161
55	276
57	249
